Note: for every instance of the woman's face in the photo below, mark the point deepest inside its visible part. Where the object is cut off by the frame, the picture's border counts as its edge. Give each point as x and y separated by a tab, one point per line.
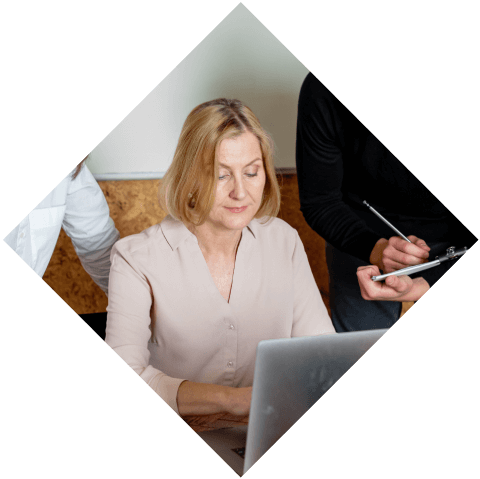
241	180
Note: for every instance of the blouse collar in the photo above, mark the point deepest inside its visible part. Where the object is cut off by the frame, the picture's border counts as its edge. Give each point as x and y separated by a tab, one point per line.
175	232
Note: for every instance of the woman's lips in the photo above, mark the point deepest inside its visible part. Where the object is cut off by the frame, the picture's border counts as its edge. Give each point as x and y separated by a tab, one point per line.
241	209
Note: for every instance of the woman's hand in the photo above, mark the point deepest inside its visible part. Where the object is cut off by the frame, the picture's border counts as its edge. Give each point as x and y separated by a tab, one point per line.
197	399
238	402
392	290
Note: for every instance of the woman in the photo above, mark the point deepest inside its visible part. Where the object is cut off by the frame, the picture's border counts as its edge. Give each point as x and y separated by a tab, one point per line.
191	297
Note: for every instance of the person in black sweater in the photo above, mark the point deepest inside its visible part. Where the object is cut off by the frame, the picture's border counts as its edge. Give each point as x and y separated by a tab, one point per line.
339	165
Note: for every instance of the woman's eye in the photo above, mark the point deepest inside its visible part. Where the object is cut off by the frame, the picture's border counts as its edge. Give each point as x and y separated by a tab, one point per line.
227	175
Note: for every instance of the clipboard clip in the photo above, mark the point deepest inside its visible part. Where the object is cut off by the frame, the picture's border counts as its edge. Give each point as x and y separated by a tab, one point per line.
451	254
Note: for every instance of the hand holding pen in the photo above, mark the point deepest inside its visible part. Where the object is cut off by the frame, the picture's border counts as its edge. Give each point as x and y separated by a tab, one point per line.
395	253
398	252
399	257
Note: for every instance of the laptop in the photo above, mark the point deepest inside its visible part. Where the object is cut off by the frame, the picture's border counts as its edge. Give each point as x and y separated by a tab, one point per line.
290	376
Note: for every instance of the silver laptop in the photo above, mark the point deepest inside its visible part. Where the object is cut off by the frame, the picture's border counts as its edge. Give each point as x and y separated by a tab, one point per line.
290	376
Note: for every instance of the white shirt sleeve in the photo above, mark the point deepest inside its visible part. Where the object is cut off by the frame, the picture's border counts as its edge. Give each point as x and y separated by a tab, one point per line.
87	222
81	209
35	236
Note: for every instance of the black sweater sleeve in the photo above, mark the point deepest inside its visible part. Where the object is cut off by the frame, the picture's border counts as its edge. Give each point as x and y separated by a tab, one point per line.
320	164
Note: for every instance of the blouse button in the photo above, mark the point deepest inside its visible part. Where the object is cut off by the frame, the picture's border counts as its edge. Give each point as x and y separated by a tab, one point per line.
231	326
230	364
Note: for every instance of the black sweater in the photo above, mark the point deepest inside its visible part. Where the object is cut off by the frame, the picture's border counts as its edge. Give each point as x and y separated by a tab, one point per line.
340	164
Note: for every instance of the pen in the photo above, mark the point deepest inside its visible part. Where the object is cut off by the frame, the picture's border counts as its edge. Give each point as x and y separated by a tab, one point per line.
407	271
373	210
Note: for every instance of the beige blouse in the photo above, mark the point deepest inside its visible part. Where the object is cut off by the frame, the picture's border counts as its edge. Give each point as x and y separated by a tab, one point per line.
169	322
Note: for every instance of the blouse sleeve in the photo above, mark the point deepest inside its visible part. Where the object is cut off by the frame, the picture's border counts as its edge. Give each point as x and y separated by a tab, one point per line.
310	316
128	324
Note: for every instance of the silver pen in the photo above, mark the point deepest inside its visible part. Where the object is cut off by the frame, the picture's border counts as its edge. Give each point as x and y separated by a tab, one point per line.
450	255
373	210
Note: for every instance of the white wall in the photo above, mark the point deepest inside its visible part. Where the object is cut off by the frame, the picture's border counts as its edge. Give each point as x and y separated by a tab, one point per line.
240	59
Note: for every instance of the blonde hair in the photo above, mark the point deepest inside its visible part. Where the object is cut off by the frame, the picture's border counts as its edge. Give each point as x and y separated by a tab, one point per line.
187	191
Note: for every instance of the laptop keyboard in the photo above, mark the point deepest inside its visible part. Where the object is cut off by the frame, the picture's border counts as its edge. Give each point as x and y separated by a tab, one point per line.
240	451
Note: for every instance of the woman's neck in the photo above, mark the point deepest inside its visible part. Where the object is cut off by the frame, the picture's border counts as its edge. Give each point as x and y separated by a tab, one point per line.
216	242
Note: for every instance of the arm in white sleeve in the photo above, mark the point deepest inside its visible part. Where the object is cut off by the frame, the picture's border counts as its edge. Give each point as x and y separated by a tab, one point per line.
87	222
310	316
128	325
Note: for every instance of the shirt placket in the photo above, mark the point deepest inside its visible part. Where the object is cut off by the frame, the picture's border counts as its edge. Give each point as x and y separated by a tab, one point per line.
231	349
231	322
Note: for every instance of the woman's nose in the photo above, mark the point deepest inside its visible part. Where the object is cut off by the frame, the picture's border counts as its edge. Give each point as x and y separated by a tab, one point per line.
238	192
